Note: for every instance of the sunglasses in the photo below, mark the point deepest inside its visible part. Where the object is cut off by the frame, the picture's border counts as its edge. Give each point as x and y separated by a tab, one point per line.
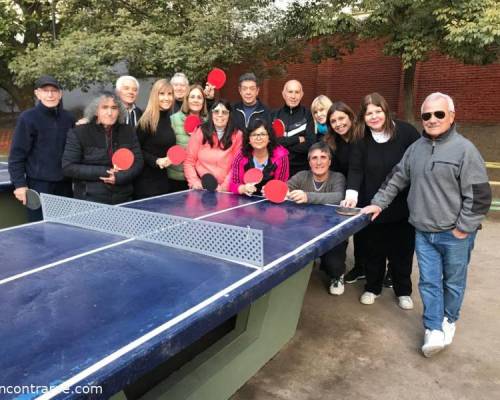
438	114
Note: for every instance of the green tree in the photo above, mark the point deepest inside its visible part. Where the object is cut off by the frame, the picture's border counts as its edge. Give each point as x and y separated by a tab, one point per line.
467	30
154	38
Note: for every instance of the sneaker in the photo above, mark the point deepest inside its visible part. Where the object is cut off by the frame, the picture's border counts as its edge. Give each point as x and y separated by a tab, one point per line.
388	279
337	286
433	342
368	298
354	275
449	331
405	302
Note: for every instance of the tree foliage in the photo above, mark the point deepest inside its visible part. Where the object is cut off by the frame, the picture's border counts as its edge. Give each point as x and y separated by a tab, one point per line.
154	38
467	30
158	37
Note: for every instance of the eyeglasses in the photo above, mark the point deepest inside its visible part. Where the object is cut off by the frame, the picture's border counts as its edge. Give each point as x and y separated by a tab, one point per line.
220	112
260	135
438	114
49	91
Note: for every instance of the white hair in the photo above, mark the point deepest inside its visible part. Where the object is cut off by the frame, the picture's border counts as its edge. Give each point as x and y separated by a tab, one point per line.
121	81
437	96
179	76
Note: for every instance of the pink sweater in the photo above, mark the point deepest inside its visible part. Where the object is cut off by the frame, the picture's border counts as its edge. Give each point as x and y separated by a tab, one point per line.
202	159
279	158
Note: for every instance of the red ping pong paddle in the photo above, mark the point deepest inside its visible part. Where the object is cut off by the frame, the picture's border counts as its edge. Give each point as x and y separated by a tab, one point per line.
217	78
191	123
278	128
209	182
275	191
176	154
253	175
122	159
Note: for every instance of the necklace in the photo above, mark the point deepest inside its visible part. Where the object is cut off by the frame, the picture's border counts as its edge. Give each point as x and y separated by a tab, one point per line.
316	187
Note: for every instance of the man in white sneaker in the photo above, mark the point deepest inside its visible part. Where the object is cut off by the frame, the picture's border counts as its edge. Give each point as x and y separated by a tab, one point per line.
319	185
449	196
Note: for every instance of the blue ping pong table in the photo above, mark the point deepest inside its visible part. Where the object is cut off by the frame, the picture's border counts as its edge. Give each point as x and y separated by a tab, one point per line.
83	308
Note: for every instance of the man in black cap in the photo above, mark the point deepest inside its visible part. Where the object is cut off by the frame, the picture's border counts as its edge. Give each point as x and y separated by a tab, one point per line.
38	145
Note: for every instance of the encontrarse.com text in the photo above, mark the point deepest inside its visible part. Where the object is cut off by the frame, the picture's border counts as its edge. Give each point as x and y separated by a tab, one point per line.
40	389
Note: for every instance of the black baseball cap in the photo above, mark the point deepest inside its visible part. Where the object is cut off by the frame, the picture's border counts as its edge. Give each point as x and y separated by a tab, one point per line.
45	80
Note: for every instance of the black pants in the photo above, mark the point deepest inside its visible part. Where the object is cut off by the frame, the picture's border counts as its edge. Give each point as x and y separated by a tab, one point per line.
360	252
333	261
177	186
393	242
60	188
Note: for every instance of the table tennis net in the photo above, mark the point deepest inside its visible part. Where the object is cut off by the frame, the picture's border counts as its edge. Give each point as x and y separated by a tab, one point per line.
208	238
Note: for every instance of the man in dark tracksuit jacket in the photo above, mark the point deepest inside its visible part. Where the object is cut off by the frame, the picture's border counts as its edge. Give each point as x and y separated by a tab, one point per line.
449	196
38	145
299	127
250	107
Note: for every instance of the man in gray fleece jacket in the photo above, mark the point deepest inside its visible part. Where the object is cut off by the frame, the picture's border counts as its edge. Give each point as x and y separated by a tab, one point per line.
449	196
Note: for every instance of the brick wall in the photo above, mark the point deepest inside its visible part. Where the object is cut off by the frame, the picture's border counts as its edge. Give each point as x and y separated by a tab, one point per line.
475	89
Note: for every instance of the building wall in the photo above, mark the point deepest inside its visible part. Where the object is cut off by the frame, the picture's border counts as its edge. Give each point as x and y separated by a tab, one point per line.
475	89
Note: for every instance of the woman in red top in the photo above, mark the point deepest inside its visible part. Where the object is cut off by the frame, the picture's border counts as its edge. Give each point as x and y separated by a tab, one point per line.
260	150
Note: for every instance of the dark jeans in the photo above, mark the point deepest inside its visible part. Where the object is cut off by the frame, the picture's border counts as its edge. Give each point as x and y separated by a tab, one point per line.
60	188
393	242
333	261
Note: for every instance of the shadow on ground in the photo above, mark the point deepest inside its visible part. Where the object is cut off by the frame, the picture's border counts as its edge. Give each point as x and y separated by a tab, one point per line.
345	350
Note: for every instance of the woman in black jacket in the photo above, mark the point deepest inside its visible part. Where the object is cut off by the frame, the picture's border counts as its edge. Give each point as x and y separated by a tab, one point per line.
89	149
380	143
156	136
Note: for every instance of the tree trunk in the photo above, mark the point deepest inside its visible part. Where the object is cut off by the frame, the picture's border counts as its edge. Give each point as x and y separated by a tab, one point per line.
22	97
409	94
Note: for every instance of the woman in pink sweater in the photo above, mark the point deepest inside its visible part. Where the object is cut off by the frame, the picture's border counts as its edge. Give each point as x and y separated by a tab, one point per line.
260	150
212	148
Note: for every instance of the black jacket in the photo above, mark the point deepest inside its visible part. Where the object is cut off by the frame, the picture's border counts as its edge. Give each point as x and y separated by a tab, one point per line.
298	122
86	159
38	144
260	112
371	162
154	181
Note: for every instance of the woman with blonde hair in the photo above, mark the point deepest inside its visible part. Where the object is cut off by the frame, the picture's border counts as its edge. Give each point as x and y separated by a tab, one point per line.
194	104
319	108
156	136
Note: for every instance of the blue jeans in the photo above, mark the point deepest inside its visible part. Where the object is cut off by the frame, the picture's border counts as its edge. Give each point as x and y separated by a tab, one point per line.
443	261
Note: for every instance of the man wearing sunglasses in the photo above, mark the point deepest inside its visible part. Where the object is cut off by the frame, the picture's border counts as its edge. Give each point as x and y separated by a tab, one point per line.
449	196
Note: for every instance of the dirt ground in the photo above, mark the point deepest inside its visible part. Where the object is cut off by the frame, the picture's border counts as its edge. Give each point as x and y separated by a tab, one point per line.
346	350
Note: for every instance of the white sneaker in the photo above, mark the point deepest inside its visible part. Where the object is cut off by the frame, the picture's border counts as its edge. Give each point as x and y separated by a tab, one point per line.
337	286
368	298
449	331
433	342
405	302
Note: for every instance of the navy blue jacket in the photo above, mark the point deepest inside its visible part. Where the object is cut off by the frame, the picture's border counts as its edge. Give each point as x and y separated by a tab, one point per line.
261	112
38	144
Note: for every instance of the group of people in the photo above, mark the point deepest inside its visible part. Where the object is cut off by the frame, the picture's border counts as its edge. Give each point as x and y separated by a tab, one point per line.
427	193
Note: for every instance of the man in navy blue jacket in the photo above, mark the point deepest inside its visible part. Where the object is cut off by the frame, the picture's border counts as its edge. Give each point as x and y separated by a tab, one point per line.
38	145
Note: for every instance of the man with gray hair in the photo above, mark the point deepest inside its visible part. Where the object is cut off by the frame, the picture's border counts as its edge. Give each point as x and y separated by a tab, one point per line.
449	196
180	83
127	89
250	107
